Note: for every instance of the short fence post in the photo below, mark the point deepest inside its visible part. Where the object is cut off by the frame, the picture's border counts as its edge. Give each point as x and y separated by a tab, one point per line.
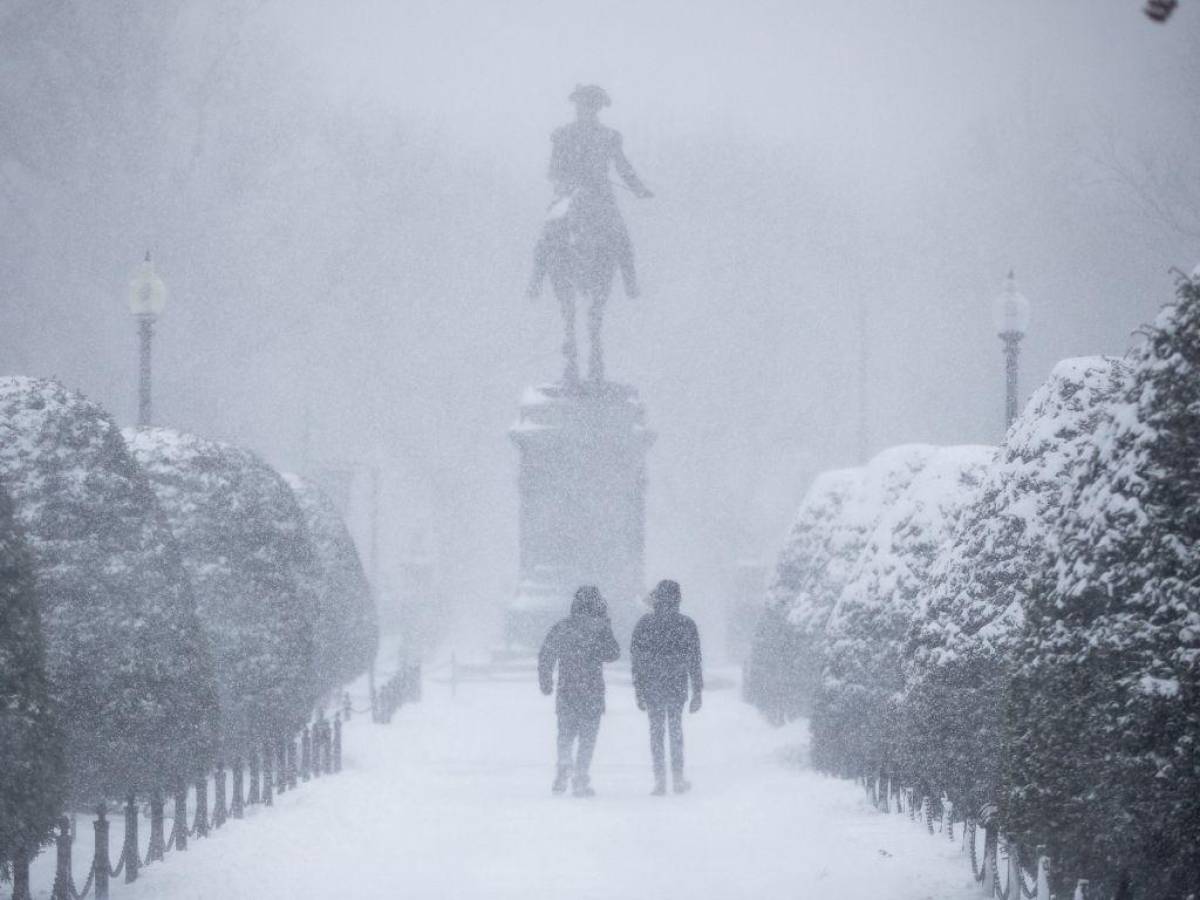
157	844
62	870
100	861
255	772
910	797
1016	879
337	743
291	763
327	746
20	876
306	753
929	814
219	807
131	852
989	861
268	786
1043	874
1081	889
201	824
316	747
181	826
281	765
238	808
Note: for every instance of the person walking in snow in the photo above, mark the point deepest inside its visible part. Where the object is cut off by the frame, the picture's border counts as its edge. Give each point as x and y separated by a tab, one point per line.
579	645
665	654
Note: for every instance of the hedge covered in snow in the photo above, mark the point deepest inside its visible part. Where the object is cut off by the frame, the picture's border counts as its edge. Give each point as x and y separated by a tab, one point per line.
855	715
1104	765
126	657
959	651
783	670
247	552
31	771
347	632
838	516
1023	634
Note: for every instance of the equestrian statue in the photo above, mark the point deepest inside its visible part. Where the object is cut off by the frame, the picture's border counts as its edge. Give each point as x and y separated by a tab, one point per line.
584	240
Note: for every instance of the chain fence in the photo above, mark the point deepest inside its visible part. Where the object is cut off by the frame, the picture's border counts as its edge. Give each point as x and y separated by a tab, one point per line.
1004	868
275	767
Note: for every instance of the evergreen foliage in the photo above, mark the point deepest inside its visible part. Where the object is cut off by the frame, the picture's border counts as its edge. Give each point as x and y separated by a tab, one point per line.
854	723
959	651
784	668
32	775
246	549
347	634
126	659
1104	766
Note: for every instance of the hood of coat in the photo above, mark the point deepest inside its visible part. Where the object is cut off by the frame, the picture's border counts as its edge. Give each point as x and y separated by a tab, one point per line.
589	603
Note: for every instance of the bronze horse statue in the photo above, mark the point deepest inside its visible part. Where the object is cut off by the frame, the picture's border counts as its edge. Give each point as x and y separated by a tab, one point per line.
584	241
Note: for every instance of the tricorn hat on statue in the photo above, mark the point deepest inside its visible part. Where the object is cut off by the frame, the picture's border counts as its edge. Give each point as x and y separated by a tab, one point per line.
590	95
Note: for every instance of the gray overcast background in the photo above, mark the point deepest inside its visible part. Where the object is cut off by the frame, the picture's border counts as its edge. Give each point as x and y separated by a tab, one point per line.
343	198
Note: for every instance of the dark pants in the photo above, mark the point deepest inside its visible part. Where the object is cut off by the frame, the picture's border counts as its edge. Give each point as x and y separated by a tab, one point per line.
663	718
584	726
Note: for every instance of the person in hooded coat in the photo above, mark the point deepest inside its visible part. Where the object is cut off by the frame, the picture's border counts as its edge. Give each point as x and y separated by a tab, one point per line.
579	645
665	654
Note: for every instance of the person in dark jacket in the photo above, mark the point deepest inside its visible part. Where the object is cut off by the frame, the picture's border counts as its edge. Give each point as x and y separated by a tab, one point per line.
665	653
580	645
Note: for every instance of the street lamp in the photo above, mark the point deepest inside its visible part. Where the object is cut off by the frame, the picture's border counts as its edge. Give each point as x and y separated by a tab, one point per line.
147	298
1011	312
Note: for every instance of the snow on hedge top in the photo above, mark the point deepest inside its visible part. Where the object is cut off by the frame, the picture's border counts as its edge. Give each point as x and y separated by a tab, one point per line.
246	548
347	632
125	653
979	585
1129	558
844	513
808	547
872	615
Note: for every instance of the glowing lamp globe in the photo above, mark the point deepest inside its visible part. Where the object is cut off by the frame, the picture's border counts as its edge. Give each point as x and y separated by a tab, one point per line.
147	293
1011	310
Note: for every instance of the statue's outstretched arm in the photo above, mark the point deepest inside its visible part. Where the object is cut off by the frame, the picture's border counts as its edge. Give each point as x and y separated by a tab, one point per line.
625	170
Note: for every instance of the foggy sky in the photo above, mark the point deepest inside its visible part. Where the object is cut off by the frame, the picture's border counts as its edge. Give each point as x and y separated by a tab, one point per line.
343	199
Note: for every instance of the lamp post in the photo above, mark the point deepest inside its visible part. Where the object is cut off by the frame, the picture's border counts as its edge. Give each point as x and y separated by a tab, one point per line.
147	298
1011	312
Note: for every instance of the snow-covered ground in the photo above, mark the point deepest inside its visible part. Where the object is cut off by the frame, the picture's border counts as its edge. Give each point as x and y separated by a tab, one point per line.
452	800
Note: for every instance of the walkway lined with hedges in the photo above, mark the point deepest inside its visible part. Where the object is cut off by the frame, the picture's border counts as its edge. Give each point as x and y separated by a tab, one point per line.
452	801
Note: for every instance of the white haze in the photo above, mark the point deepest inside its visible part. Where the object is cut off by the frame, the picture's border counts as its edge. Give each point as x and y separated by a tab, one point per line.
344	197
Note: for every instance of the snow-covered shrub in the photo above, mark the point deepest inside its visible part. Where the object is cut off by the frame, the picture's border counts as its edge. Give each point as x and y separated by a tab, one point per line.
959	652
125	655
830	532
1104	766
347	634
854	716
246	550
783	668
32	777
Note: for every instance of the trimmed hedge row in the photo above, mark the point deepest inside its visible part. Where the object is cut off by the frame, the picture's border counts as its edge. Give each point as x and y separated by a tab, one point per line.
1033	649
168	602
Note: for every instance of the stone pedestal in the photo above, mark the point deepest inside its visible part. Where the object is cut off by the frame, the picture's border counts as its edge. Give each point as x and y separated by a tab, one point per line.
582	487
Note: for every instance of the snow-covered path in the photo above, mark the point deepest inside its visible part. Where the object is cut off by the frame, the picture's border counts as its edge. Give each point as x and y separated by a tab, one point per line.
452	800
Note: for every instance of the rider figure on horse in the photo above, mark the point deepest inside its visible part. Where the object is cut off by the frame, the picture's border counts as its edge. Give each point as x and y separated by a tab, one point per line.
584	231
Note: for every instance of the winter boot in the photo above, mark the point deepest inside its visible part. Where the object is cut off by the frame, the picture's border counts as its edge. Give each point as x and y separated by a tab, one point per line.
660	788
681	784
560	780
582	787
